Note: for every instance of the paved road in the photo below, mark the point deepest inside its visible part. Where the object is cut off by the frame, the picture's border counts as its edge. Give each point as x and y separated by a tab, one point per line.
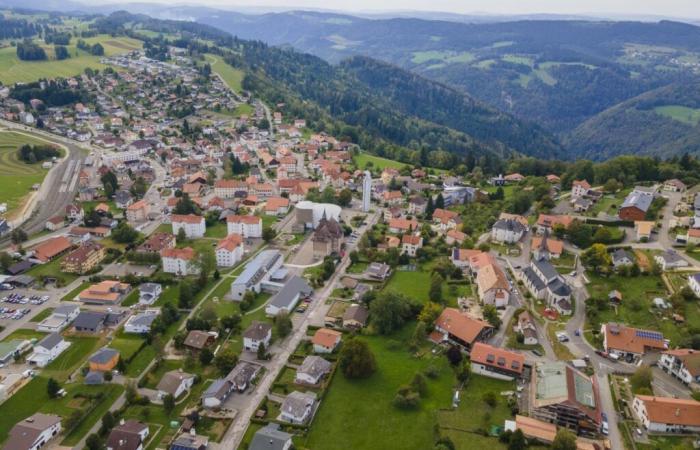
60	185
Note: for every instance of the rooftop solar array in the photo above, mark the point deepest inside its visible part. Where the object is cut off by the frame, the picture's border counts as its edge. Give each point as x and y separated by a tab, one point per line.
654	335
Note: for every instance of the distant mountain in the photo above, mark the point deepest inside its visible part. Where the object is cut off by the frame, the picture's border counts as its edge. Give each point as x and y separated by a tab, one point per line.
663	122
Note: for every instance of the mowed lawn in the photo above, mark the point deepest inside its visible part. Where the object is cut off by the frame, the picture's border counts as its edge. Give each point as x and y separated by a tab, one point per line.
17	176
416	285
232	77
359	414
13	70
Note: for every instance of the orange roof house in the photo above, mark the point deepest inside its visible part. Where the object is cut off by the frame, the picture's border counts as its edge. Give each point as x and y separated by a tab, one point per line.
459	328
105	292
496	362
51	248
631	341
326	340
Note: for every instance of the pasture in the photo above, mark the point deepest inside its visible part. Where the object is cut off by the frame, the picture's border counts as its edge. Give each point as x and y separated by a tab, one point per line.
18	177
13	70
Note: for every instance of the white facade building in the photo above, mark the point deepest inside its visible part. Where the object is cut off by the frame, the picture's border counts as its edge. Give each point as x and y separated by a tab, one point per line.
194	226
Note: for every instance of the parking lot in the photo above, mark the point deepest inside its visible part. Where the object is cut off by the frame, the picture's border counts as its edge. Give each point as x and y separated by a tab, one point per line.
16	304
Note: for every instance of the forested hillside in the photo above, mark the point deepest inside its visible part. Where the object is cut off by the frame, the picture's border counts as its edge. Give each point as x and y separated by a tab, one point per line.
662	122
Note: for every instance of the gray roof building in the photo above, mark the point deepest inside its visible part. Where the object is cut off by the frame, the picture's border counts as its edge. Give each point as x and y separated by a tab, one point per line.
270	437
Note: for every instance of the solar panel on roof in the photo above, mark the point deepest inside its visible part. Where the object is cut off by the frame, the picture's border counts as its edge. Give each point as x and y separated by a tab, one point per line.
654	335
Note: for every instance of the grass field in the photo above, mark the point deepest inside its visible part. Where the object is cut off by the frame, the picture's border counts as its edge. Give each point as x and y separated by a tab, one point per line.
377	162
690	116
18	177
72	358
370	420
231	76
445	56
12	70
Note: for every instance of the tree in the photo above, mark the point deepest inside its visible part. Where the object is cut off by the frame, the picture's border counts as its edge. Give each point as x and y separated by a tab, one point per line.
517	441
283	324
268	234
596	257
181	235
186	294
124	234
232	322
429	314
262	352
225	361
454	355
93	442
345	197
6	260
97	49
440	201
139	188
168	403
108	422
61	52
463	372
185	205
356	360
491	315
389	311
205	357
52	388
18	236
564	440
435	292
109	183
429	208
641	378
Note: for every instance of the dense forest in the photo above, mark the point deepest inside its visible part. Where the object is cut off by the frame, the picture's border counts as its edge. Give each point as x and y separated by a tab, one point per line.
54	93
29	51
17	28
35	153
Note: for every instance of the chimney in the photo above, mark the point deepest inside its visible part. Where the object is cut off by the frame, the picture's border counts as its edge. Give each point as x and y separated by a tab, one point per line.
193	432
121	421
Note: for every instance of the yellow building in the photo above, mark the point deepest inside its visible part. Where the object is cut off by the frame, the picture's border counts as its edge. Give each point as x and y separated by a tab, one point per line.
84	258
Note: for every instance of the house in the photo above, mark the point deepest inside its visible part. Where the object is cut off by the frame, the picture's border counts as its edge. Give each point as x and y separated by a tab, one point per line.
193	226
54	223
544	282
52	249
84	258
74	212
410	244
312	370
674	185
326	340
565	397
242	376
179	261
190	441
286	299
246	226
694	283
103	360
298	407
138	212
493	286
580	188
631	343
271	437
33	432
327	238
670	259
157	242
446	219
149	293
460	329
622	258
123	199
643	230
454	237
128	435
277	206
378	271
417	205
507	231
582	204
636	205
546	247
216	394
258	333
667	415
47	350
140	323
11	349
174	383
526	326
237	380
402	225
199	340
461	258
682	363
89	322
229	251
496	362
514	178
355	317
547	222
60	318
108	292
256	272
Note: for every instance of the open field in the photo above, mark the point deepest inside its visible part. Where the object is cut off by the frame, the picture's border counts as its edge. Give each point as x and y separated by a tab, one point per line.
13	70
370	420
690	116
232	77
18	176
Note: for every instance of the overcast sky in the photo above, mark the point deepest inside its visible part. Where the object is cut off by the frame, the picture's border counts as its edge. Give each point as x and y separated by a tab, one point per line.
676	8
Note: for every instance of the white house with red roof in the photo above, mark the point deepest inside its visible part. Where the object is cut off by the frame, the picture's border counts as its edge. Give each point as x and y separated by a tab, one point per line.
194	226
229	251
246	226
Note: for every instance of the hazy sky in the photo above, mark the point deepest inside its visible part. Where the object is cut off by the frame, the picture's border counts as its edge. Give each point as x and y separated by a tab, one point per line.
677	8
